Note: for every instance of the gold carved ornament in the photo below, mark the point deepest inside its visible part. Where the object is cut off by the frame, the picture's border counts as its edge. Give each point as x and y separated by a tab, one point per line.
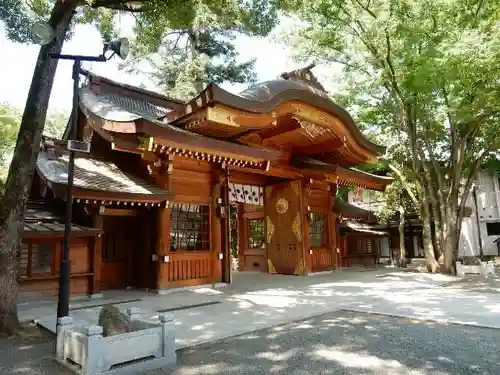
296	228
270	229
300	268
270	266
282	205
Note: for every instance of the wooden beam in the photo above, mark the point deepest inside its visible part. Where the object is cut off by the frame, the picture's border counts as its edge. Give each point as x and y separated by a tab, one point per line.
119	212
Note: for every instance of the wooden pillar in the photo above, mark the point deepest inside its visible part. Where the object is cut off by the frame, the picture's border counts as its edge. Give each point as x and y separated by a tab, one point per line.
215	225
162	247
243	239
344	253
225	227
163	227
97	222
331	226
306	240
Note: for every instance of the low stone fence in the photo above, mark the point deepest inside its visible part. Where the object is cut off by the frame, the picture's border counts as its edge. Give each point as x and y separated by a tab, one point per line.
483	269
85	350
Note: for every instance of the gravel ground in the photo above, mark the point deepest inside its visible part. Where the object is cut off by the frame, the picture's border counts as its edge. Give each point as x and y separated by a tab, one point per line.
338	343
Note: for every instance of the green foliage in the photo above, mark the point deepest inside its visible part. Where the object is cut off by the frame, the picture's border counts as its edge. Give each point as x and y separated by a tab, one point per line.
10	120
20	15
185	53
440	57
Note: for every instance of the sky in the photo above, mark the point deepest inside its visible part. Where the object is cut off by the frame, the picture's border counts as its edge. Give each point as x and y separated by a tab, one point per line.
18	61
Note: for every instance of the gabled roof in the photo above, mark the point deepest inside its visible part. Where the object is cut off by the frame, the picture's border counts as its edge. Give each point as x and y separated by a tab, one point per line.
122	115
293	114
42	220
355	226
265	97
347	210
94	178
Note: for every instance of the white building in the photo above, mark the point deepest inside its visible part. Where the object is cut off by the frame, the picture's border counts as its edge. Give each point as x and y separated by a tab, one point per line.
488	209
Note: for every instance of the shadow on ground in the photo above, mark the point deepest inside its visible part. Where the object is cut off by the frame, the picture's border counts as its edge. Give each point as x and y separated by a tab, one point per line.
340	343
350	343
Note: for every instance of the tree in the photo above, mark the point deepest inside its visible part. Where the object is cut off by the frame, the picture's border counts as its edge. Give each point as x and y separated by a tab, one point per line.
183	57
18	16
10	118
426	73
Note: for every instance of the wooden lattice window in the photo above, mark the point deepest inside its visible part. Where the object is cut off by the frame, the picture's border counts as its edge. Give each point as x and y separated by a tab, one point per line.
189	227
317	230
359	245
36	259
256	234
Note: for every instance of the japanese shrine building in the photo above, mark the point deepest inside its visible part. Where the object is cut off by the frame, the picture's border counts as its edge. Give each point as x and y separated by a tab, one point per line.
153	199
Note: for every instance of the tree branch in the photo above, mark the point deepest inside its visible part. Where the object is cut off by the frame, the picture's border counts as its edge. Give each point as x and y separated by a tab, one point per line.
402	178
365	7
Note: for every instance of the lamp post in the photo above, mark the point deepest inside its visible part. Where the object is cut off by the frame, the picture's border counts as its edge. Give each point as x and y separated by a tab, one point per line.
43	34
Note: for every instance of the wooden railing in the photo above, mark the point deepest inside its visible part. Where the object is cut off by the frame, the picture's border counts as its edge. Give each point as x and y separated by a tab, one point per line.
322	260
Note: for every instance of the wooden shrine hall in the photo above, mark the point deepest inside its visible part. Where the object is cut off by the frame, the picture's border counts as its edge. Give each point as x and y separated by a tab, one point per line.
153	196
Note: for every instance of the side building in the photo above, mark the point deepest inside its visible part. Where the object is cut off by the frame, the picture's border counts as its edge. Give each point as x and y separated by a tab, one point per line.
481	227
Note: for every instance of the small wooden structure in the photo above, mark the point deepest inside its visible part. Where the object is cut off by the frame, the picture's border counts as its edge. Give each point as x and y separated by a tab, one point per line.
359	235
162	175
41	250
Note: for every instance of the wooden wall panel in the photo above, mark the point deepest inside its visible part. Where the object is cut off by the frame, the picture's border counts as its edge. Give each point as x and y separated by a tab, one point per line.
319	200
238	177
79	285
194	182
80	255
81	271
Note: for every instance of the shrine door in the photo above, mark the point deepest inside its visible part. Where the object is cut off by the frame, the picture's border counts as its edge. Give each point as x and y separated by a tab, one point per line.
284	238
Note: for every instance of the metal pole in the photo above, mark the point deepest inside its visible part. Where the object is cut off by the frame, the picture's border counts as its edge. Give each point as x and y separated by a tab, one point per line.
64	273
474	197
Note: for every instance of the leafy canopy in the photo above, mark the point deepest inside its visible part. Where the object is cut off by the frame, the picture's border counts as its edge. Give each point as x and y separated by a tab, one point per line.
10	120
184	54
434	64
181	44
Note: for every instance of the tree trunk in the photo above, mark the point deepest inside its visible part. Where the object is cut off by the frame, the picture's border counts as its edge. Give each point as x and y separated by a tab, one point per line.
22	168
430	257
401	230
450	245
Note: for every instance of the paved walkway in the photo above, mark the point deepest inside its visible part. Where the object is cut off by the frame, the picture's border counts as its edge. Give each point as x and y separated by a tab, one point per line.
256	301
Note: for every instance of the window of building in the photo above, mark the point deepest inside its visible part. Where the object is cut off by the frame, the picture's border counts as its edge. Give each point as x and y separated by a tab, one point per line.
256	234
189	227
317	230
359	245
36	259
366	245
493	229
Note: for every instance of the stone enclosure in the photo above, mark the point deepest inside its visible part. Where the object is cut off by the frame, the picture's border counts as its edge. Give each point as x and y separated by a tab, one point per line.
148	345
483	269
